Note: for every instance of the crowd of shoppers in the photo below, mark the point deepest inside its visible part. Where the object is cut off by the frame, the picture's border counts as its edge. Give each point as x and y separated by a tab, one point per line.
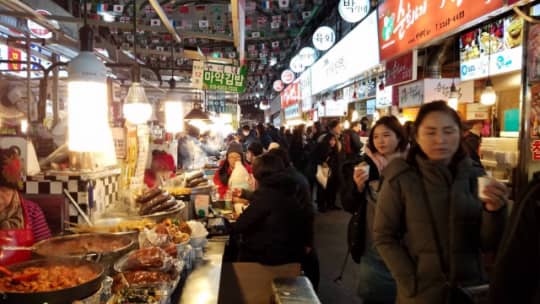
419	223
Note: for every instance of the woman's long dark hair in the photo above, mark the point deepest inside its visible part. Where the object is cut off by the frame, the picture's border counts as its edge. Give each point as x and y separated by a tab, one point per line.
435	106
223	171
392	123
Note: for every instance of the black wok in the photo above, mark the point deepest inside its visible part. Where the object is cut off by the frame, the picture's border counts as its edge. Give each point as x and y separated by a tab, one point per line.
61	296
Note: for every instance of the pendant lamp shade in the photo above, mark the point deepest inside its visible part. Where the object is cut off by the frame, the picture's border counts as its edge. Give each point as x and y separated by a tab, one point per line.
87	103
197	113
137	109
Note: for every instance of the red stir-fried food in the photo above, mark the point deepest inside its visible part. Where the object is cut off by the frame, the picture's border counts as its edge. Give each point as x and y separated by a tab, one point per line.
47	278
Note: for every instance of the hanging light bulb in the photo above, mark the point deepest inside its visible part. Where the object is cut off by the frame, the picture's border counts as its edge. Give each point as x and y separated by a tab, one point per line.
453	99
346	124
88	124
488	96
137	109
174	113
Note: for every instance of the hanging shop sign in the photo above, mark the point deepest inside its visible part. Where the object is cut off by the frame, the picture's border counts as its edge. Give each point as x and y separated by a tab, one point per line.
405	24
308	56
287	76
371	106
342	62
384	97
297	65
304	85
219	77
38	30
402	69
411	95
278	85
290	95
477	111
430	89
353	11
292	111
324	38
333	108
501	39
367	89
533	52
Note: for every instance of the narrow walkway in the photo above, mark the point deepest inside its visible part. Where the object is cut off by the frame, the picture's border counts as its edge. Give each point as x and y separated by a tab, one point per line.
330	241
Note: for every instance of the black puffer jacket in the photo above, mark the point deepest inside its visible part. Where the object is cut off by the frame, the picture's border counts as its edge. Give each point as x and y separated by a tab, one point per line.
275	227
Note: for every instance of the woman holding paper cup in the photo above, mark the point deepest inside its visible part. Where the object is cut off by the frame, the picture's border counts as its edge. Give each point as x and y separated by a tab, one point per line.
359	196
430	223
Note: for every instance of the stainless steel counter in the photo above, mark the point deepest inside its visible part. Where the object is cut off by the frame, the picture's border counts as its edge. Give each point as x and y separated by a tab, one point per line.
202	284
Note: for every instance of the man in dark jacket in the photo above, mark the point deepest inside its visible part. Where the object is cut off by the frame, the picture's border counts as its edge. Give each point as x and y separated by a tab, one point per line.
473	139
516	275
352	145
275	226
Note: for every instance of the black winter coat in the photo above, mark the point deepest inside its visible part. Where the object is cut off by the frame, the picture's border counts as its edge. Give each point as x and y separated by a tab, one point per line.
275	228
516	275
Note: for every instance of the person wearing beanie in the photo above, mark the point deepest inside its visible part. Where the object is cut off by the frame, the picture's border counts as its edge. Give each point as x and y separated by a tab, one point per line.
235	153
162	168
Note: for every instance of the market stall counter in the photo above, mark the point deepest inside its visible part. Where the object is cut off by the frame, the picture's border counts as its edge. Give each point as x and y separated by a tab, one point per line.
202	284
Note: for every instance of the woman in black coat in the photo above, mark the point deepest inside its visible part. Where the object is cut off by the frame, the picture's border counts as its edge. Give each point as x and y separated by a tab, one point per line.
326	151
275	228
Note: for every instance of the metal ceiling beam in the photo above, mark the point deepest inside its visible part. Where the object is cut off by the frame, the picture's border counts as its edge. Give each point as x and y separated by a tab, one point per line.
165	20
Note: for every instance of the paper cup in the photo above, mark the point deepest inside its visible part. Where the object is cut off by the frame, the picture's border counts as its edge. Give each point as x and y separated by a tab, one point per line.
483	181
362	166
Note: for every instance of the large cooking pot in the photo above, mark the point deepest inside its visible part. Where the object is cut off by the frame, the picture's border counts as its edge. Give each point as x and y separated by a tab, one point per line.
103	248
61	296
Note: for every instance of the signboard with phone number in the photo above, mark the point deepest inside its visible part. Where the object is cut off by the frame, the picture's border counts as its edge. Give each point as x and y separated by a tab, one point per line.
224	78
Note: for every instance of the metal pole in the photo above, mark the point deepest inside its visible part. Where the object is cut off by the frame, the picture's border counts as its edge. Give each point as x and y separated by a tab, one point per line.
28	78
55	90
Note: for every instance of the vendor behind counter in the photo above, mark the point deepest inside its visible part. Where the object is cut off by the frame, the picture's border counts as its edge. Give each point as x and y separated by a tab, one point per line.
235	153
21	221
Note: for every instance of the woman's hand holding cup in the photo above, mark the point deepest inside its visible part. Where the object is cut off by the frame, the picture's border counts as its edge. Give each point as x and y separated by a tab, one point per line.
361	175
492	193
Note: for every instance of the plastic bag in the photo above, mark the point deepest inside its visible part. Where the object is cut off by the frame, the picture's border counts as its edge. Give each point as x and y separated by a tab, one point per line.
239	177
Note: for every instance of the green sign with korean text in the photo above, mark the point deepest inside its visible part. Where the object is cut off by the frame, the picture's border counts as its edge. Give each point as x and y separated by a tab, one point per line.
227	78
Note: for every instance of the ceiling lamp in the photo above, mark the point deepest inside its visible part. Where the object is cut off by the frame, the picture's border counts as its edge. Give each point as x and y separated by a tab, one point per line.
88	122
197	113
137	109
453	98
174	109
488	96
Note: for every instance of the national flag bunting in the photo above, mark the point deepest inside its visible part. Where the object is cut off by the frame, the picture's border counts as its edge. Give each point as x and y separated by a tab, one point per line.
101	8
118	8
184	9
266	4
283	3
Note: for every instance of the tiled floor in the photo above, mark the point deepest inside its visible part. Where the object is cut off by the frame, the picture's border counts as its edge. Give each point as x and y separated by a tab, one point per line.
330	240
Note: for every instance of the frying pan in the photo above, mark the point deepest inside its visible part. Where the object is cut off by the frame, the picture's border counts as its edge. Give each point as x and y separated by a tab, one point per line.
53	247
62	296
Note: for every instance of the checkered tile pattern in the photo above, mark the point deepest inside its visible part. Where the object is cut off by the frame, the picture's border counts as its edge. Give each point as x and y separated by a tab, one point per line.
104	193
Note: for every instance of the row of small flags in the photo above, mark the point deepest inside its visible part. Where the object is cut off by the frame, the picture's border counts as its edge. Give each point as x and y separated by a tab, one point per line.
267	5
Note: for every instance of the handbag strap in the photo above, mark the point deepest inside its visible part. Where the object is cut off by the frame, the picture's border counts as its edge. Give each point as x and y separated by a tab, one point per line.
438	244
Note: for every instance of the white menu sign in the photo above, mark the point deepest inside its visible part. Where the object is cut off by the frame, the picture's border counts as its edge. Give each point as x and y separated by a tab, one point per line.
305	90
353	55
383	98
411	95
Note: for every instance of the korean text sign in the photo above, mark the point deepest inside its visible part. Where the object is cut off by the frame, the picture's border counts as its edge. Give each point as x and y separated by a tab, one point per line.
405	24
226	78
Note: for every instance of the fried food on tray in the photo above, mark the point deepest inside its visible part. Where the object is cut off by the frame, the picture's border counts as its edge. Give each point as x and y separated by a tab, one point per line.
124	226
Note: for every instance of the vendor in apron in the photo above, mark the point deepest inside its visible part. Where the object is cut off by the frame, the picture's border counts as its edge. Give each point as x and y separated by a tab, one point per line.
21	222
